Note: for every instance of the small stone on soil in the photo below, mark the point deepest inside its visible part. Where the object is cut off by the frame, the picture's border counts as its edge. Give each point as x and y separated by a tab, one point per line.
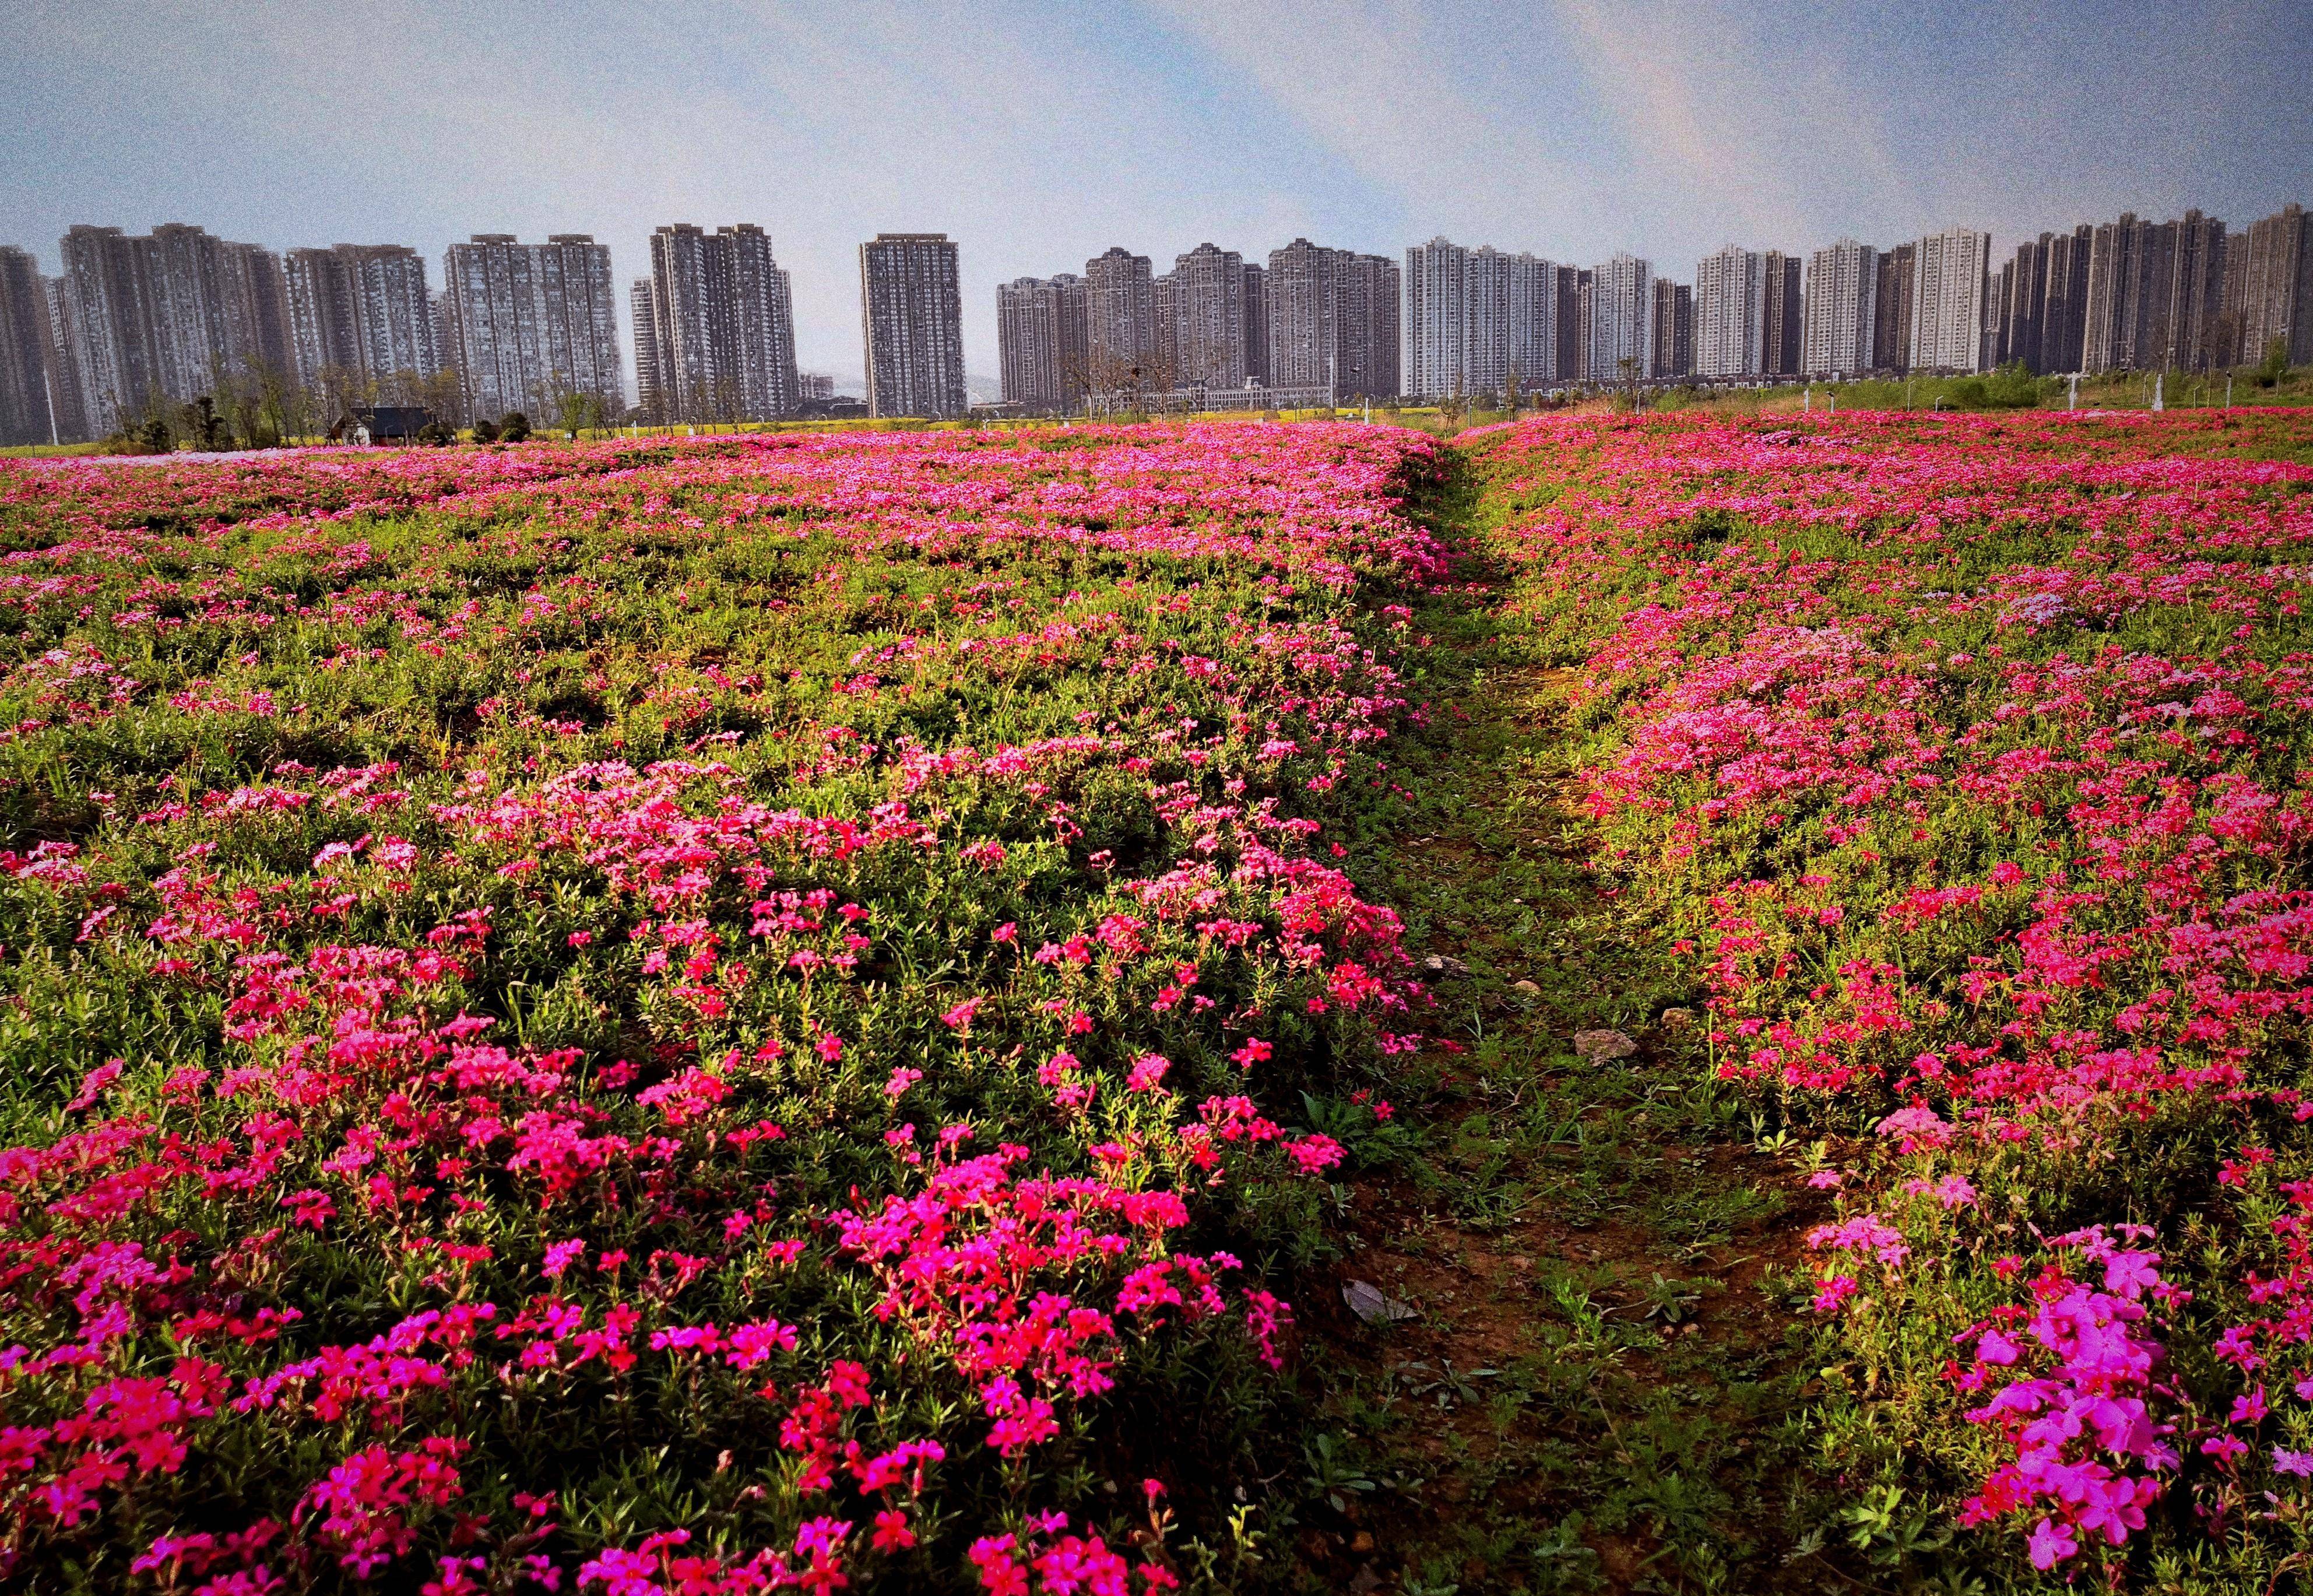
1597	1046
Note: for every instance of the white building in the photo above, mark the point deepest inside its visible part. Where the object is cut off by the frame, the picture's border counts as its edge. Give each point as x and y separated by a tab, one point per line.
1730	313
1434	279
1841	299
1621	318
1478	321
1947	300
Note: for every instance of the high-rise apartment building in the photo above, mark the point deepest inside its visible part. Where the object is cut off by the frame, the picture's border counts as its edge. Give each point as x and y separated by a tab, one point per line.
2111	270
1947	300
2195	291
68	389
1730	313
911	322
1674	332
1573	325
1434	281
650	387
107	277
1166	343
1843	300
2155	295
67	392
2269	288
1783	321
1991	336
1477	322
24	417
1256	324
1895	277
529	324
1121	327
1208	296
362	313
2063	303
722	326
1332	321
1621	318
1369	290
2139	301
1040	335
2019	297
1510	340
165	317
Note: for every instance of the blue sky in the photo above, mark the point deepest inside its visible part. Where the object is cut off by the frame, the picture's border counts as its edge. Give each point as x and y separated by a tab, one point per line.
1039	134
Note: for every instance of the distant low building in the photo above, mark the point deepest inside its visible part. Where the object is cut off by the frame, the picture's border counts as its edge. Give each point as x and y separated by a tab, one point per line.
390	423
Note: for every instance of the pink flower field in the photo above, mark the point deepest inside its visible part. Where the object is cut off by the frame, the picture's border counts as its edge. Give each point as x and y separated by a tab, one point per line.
715	1018
823	1011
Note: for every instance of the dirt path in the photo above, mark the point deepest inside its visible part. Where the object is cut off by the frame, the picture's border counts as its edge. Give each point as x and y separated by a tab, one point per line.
1581	1371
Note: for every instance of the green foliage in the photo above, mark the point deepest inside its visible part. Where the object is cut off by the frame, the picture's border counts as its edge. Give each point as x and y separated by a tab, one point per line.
2275	364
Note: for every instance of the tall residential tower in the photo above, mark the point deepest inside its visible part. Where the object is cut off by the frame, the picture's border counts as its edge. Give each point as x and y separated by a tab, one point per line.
911	324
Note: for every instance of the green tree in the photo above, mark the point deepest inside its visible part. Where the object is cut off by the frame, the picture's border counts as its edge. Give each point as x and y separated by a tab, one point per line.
2275	364
574	411
513	428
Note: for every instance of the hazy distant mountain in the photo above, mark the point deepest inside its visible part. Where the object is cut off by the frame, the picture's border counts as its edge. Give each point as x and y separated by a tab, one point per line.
977	388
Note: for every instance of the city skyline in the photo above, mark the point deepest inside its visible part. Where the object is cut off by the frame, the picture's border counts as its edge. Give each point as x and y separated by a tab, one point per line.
180	313
1569	131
